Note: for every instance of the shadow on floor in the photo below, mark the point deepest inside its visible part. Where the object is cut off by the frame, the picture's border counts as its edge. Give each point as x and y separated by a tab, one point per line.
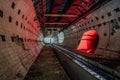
46	67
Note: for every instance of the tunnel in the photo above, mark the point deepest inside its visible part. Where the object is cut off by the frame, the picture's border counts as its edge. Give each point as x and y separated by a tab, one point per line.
59	39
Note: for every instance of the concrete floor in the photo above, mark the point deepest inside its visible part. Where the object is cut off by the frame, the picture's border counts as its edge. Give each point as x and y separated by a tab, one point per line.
46	67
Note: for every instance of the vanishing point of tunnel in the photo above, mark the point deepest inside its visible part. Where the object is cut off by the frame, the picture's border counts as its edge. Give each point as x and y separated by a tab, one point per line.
59	39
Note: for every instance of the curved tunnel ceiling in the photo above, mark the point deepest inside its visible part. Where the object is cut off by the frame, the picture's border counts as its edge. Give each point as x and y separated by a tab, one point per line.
63	13
59	13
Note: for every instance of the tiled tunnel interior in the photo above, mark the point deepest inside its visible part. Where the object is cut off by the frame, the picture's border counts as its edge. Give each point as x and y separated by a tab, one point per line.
18	38
27	26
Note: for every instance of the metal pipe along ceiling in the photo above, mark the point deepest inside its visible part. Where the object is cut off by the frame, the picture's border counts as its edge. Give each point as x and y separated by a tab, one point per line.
95	5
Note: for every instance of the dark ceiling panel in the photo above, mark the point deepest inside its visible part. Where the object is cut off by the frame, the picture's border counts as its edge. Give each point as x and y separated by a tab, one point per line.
64	7
53	7
49	7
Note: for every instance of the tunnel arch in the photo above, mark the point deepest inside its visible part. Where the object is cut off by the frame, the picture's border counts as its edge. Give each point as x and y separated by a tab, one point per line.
89	41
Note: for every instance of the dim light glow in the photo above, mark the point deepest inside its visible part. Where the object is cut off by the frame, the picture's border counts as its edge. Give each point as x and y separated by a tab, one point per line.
60	37
88	42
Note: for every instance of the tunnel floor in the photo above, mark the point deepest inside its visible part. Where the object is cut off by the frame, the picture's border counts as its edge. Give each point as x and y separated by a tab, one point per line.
46	67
